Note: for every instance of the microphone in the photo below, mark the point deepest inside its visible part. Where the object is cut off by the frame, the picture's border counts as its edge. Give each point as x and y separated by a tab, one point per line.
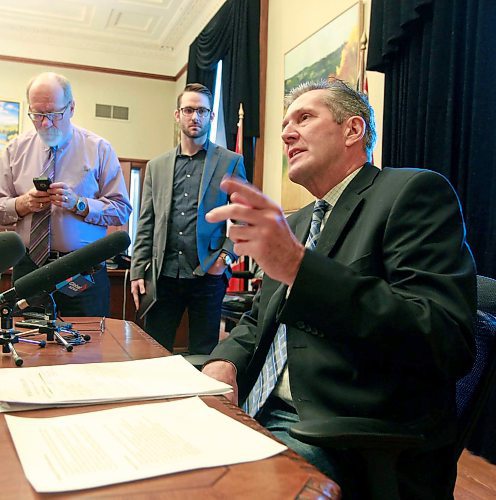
44	280
12	250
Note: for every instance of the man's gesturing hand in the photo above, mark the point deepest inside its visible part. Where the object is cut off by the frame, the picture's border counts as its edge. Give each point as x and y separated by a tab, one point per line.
260	230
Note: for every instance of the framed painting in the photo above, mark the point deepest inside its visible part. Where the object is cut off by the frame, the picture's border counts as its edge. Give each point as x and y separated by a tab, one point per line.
333	51
10	121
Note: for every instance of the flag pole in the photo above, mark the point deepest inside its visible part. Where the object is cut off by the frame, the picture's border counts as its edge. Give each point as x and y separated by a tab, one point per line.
361	69
239	284
239	135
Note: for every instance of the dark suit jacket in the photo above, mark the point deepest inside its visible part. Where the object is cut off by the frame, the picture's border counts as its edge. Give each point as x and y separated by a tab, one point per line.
379	318
151	234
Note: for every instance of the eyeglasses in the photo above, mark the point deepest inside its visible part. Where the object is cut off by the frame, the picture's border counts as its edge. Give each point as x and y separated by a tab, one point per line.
201	112
53	117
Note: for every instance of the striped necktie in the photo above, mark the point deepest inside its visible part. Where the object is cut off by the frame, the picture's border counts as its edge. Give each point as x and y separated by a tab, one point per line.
277	355
39	243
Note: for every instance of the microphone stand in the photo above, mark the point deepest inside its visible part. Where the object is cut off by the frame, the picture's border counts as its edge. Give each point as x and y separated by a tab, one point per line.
9	336
52	328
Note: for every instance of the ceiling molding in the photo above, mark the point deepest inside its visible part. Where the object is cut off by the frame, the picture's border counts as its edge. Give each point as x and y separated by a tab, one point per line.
98	69
143	36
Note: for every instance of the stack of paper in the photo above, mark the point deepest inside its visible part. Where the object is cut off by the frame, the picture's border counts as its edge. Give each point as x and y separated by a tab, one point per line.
135	442
82	384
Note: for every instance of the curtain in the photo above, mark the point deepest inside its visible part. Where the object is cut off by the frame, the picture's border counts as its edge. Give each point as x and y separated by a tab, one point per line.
440	100
233	36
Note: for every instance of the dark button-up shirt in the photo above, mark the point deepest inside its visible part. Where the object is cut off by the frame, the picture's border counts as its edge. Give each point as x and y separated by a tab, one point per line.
181	255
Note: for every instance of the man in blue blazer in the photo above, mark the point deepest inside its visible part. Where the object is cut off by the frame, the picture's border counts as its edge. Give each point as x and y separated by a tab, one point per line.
376	320
189	256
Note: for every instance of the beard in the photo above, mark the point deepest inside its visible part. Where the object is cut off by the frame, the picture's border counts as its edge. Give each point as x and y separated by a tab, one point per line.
51	136
201	131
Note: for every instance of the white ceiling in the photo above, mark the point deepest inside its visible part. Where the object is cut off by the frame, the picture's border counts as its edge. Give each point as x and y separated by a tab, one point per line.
150	36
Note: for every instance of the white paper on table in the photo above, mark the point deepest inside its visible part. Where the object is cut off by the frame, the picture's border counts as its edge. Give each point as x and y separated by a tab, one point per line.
90	383
136	442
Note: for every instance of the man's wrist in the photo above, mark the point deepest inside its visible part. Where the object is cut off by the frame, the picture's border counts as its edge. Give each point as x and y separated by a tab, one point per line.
21	206
222	360
81	206
226	258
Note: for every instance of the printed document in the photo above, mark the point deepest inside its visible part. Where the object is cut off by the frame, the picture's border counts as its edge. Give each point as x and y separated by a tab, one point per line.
92	383
129	443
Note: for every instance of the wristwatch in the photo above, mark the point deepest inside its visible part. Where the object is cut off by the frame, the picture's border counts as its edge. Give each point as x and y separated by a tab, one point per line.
226	258
81	206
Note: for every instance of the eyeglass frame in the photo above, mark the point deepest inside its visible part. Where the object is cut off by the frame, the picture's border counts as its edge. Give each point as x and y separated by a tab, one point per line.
201	111
53	116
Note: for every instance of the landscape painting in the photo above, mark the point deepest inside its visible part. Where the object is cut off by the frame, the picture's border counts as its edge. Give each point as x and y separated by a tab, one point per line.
10	113
333	51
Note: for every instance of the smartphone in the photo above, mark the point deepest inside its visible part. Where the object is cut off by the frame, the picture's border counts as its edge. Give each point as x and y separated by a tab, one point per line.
41	183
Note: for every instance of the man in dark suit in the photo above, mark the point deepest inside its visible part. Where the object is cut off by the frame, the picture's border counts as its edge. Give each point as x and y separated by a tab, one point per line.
376	320
191	257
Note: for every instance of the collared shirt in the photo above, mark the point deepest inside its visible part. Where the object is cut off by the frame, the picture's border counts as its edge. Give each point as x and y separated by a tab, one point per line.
181	253
282	390
86	163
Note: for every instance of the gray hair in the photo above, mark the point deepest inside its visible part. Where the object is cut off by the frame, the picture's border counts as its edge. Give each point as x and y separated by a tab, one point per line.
60	79
343	102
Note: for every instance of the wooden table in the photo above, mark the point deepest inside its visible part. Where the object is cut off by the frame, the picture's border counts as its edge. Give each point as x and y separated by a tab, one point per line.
284	476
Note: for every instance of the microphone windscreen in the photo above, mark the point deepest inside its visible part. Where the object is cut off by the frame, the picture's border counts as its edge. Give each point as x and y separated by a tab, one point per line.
44	280
11	250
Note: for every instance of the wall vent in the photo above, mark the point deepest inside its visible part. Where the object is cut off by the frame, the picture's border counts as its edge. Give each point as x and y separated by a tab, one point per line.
120	112
112	112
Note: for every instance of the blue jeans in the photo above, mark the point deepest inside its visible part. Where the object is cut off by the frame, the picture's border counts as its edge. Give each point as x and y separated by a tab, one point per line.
202	296
343	467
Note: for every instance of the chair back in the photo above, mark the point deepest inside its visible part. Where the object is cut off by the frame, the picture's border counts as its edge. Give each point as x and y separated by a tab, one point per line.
473	389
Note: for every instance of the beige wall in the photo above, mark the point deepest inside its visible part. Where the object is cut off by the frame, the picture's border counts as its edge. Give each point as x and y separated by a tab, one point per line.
150	130
151	103
180	84
291	22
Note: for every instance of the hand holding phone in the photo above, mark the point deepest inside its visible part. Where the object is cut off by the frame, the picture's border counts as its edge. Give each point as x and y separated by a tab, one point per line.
41	183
